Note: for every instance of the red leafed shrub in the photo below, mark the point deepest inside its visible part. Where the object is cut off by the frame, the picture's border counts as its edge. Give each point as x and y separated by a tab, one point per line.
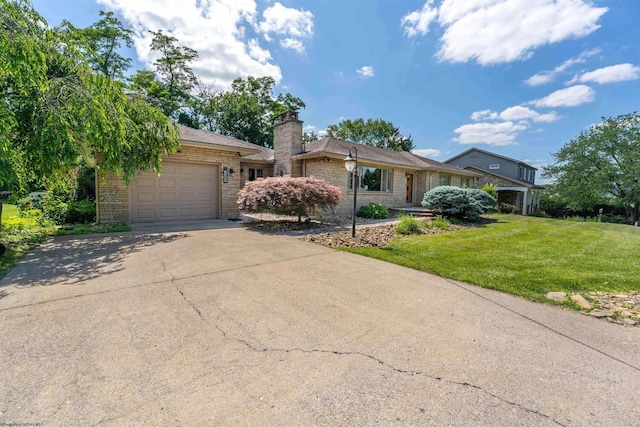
288	196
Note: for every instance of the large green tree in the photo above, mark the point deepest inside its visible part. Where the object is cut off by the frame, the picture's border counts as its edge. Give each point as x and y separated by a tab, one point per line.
173	67
378	133
248	111
104	40
600	163
55	107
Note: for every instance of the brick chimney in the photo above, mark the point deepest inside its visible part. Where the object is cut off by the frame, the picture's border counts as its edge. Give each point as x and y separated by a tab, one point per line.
287	141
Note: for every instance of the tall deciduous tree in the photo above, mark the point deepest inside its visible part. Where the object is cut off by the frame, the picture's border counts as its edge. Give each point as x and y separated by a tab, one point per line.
104	39
248	111
176	76
378	133
55	107
600	163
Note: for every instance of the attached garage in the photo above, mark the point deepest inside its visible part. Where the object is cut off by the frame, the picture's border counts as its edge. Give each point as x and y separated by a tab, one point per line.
199	181
184	191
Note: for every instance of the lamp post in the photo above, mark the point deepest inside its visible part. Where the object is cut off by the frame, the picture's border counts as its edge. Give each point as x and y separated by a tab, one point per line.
351	164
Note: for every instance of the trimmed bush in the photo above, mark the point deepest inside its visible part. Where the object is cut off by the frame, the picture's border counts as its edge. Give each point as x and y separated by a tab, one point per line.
288	196
459	203
54	209
373	210
408	225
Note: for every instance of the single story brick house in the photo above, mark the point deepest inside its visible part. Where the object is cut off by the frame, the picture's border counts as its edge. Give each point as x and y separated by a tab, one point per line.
202	178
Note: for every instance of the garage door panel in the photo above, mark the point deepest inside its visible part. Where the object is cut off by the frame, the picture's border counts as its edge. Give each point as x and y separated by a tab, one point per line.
182	192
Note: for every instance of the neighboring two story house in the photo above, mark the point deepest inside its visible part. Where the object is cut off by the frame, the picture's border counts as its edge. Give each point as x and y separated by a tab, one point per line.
202	178
515	180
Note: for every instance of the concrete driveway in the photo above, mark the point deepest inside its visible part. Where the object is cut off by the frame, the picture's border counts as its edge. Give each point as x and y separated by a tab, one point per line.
232	327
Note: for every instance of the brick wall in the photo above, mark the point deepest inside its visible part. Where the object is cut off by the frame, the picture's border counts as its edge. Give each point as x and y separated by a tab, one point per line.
113	197
267	170
334	173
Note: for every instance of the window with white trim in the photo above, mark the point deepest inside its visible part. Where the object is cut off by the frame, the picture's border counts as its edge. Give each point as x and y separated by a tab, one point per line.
444	180
373	179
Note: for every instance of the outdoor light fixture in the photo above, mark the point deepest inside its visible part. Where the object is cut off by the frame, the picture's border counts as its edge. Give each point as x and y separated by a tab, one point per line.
225	175
351	164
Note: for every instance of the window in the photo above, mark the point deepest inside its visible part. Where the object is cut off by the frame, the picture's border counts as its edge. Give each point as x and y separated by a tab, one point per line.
464	182
520	172
373	179
494	166
255	173
445	180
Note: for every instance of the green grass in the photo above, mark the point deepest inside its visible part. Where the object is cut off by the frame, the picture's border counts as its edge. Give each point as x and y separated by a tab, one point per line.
9	211
20	242
526	256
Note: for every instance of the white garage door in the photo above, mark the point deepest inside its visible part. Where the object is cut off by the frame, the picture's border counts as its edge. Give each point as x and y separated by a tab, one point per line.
184	191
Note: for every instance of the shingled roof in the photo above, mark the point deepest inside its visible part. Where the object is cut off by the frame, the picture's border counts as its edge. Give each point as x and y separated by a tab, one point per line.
224	142
340	149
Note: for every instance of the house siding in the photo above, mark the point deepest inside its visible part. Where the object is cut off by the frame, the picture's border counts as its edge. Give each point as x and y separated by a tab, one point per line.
113	197
507	167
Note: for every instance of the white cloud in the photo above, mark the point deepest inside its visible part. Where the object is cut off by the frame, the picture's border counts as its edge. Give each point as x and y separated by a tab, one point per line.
309	128
569	97
213	28
523	113
428	152
322	133
497	31
366	71
545	77
496	134
418	21
292	44
612	74
484	115
289	23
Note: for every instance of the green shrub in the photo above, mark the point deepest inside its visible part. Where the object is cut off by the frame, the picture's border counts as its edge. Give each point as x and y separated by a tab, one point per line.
491	189
55	209
24	204
408	225
506	208
37	199
81	212
18	223
575	218
373	210
615	219
441	223
460	203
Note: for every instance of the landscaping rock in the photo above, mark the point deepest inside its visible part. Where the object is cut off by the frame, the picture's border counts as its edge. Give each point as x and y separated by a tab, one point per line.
556	296
582	302
600	313
630	322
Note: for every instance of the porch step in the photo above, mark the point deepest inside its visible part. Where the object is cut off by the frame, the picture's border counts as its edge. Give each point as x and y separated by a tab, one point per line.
418	212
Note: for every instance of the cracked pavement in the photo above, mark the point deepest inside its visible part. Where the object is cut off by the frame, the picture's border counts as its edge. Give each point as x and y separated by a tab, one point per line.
233	327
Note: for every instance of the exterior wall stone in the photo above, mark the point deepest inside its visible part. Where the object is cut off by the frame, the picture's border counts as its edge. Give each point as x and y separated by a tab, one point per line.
287	140
113	197
267	170
334	173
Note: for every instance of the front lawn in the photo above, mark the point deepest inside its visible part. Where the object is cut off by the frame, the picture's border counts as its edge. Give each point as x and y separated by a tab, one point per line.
526	256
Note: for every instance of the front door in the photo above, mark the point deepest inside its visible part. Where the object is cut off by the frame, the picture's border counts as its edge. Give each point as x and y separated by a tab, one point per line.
409	188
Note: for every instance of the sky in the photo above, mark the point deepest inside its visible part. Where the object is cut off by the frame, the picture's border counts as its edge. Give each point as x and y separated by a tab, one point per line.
520	78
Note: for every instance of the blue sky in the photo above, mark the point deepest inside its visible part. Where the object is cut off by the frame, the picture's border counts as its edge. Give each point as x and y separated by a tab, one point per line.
516	77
